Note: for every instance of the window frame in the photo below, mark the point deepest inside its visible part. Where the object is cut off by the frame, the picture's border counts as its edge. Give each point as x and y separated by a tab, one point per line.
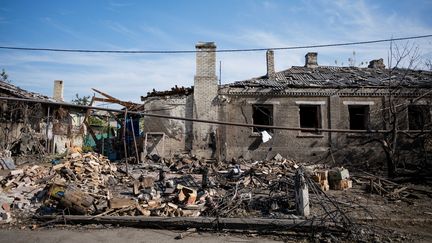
320	118
428	112
366	119
255	106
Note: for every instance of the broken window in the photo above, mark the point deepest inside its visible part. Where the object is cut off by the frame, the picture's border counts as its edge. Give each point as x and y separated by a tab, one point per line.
358	117
262	115
310	116
419	117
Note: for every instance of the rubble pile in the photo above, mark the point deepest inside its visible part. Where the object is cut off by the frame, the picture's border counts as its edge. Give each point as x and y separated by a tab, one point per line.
182	186
20	190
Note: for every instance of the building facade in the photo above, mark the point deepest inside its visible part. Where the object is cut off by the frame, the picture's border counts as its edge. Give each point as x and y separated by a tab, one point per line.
310	99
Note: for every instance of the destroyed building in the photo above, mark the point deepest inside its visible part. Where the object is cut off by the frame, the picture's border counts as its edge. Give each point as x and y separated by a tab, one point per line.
322	103
50	126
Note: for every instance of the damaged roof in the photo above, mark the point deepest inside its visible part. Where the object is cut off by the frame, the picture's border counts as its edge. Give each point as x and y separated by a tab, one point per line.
338	77
180	91
9	89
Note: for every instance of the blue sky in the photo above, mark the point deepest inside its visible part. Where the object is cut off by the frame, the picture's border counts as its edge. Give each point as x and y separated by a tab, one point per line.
178	25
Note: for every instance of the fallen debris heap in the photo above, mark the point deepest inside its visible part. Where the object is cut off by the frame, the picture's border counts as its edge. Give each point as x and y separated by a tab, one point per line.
183	186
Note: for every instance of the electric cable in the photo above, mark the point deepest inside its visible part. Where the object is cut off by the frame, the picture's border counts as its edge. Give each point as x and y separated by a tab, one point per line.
215	50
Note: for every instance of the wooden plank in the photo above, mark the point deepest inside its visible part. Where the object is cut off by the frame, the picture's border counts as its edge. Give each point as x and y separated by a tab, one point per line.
201	222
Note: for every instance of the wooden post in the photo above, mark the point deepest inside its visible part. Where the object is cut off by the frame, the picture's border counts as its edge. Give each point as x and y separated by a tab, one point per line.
124	141
134	140
204	177
301	193
47	131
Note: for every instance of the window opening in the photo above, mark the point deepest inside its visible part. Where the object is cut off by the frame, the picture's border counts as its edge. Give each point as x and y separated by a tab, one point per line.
310	116
358	117
418	117
262	115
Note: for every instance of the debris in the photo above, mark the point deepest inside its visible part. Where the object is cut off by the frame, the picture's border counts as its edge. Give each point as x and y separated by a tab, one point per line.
278	157
339	179
321	177
16	172
390	189
186	195
72	198
116	203
187	233
6	161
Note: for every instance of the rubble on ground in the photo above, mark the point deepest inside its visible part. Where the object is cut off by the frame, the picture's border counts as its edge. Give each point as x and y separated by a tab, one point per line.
80	183
90	184
183	186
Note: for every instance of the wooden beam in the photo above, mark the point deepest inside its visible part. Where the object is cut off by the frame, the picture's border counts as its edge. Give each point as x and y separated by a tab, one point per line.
201	222
112	99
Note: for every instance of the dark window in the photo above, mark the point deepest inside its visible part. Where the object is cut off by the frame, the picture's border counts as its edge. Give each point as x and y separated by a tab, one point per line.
310	116
358	117
419	117
262	115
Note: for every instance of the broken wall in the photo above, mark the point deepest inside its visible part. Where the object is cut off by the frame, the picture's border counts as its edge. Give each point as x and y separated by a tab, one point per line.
175	131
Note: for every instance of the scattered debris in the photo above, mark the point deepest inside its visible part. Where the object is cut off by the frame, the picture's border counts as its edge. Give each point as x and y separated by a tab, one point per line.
6	161
87	186
390	189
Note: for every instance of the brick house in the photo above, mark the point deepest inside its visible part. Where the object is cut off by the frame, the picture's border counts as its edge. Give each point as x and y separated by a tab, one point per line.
304	97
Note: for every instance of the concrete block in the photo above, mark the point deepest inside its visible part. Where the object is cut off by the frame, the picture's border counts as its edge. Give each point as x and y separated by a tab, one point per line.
338	174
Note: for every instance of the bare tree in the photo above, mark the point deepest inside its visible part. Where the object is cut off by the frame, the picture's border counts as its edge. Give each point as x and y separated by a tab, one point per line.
395	114
428	64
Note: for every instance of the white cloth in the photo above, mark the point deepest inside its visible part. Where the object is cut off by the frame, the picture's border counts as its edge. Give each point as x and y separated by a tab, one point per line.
265	136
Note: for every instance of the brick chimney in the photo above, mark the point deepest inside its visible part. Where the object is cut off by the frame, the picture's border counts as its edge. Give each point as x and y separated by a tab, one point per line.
270	64
58	90
311	60
377	63
204	96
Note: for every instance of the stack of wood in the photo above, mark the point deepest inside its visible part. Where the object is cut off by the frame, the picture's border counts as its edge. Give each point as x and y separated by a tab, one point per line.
321	177
93	171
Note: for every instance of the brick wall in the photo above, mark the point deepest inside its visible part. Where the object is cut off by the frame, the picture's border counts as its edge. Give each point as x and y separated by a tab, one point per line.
205	93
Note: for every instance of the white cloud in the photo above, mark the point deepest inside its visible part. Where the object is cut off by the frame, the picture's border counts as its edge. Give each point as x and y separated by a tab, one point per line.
130	76
121	76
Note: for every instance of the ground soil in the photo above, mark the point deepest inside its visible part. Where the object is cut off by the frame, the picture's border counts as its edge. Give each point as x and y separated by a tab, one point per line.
80	235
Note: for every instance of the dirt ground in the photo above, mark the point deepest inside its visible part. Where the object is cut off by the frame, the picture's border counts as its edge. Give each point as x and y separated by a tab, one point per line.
384	219
119	235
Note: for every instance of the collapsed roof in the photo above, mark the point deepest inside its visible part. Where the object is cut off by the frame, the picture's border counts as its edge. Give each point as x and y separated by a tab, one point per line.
15	91
339	77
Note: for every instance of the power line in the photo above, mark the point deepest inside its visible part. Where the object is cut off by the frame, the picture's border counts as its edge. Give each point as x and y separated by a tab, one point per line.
141	113
220	50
